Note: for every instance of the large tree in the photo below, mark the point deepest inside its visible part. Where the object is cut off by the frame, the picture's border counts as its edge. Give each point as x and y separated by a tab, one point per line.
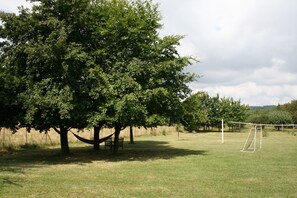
94	63
46	50
144	74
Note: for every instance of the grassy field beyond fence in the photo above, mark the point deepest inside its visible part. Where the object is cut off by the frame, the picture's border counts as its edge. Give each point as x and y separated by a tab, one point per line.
193	165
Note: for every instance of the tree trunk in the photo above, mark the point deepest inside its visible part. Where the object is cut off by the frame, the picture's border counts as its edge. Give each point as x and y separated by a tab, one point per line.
131	135
118	127
97	136
64	141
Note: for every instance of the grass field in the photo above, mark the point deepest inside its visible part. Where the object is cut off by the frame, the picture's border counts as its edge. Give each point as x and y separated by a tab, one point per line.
193	165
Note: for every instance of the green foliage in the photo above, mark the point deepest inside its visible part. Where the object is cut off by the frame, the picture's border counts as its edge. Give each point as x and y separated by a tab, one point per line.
291	107
233	110
279	117
145	78
201	110
258	117
44	52
73	64
179	128
195	112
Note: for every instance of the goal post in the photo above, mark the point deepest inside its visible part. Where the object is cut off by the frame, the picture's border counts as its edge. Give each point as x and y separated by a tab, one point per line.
251	141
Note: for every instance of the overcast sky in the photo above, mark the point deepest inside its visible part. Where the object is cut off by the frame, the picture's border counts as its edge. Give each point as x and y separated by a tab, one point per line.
247	48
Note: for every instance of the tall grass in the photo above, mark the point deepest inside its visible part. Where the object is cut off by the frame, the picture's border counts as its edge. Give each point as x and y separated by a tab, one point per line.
14	140
193	165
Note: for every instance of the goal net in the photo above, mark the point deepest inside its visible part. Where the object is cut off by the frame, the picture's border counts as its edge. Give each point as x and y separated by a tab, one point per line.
251	141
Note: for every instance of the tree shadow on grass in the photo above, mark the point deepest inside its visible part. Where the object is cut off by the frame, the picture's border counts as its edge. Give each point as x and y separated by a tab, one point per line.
141	151
13	164
154	150
8	181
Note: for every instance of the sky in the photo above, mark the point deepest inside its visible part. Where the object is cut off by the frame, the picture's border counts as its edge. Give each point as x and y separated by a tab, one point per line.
247	49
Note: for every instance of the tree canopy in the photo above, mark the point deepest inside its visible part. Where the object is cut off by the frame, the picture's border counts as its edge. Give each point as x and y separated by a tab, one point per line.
72	64
291	107
279	117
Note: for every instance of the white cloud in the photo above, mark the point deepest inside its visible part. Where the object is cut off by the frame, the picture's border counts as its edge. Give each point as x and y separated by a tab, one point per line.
12	5
247	48
275	74
252	93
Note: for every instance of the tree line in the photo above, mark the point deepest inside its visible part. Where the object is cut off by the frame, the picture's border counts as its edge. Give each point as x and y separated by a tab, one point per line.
278	115
202	111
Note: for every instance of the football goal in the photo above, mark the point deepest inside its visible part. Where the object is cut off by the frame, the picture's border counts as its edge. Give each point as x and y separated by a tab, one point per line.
251	141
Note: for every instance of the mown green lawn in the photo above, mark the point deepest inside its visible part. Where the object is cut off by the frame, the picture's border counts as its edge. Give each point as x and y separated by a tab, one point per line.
195	165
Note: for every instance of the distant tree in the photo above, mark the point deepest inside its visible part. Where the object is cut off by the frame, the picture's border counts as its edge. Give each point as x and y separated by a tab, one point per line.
231	110
291	107
258	117
216	110
195	113
201	110
237	111
279	117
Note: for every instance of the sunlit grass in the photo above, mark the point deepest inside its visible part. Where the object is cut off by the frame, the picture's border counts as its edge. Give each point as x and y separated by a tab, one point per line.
193	165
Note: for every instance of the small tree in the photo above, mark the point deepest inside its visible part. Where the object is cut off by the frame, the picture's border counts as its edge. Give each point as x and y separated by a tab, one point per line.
233	110
291	107
195	113
279	117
